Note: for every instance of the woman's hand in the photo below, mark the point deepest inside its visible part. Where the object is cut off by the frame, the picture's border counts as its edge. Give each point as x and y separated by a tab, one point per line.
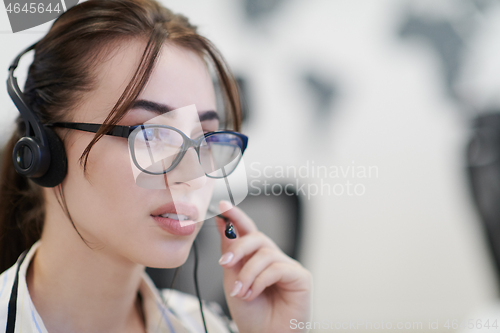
265	289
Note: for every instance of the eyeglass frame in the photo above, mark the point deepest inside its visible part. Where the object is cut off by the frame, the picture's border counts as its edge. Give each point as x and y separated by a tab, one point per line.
126	131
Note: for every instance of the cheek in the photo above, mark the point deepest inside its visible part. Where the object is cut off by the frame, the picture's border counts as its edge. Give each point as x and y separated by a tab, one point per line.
208	191
108	186
110	173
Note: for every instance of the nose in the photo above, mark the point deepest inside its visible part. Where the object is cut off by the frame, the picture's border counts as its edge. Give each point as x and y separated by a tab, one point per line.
188	174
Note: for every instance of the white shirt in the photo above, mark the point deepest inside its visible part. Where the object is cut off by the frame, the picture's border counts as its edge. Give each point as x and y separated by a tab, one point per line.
181	315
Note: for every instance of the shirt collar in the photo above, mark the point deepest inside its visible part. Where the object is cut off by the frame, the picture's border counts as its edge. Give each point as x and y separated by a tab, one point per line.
159	317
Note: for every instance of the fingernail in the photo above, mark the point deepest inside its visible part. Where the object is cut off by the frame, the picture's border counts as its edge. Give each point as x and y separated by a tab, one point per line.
225	205
237	288
226	258
249	292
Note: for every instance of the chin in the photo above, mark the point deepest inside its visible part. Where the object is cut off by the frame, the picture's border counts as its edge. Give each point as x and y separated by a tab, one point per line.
170	254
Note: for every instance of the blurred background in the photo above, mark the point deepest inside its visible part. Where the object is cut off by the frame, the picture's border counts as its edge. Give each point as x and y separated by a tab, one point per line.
373	151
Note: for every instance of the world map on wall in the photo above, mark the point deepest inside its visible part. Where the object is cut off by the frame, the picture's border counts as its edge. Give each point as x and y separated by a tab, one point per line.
450	37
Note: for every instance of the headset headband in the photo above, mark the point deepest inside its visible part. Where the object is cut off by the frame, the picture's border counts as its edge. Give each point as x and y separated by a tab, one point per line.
33	124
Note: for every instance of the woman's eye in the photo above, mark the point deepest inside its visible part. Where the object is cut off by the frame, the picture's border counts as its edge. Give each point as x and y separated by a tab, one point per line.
149	134
209	130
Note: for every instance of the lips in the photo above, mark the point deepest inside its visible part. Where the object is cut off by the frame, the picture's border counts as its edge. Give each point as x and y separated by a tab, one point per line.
177	219
190	211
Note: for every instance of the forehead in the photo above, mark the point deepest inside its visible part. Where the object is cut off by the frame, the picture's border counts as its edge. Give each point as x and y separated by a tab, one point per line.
180	78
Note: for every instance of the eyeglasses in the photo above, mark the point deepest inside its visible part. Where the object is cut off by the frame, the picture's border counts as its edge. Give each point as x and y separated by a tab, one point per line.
158	149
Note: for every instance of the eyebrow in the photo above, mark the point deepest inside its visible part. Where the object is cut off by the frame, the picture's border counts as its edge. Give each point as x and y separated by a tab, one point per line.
160	108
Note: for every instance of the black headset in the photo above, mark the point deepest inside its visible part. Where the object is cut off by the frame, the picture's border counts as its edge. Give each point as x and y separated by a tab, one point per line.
40	154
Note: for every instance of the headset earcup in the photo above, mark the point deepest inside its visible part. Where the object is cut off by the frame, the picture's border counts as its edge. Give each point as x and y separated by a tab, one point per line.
58	162
30	158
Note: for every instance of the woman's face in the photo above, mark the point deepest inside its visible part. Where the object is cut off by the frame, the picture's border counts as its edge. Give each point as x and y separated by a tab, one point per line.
110	210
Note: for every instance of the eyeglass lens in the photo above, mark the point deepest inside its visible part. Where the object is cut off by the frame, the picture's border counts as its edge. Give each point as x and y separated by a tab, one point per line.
157	148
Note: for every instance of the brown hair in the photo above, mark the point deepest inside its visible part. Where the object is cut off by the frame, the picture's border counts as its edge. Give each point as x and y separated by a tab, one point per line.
63	69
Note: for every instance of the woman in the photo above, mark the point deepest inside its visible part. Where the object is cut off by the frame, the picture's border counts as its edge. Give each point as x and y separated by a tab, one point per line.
88	236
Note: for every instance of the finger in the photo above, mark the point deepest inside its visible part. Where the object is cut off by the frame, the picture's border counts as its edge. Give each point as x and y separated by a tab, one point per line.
263	258
240	220
245	246
278	272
